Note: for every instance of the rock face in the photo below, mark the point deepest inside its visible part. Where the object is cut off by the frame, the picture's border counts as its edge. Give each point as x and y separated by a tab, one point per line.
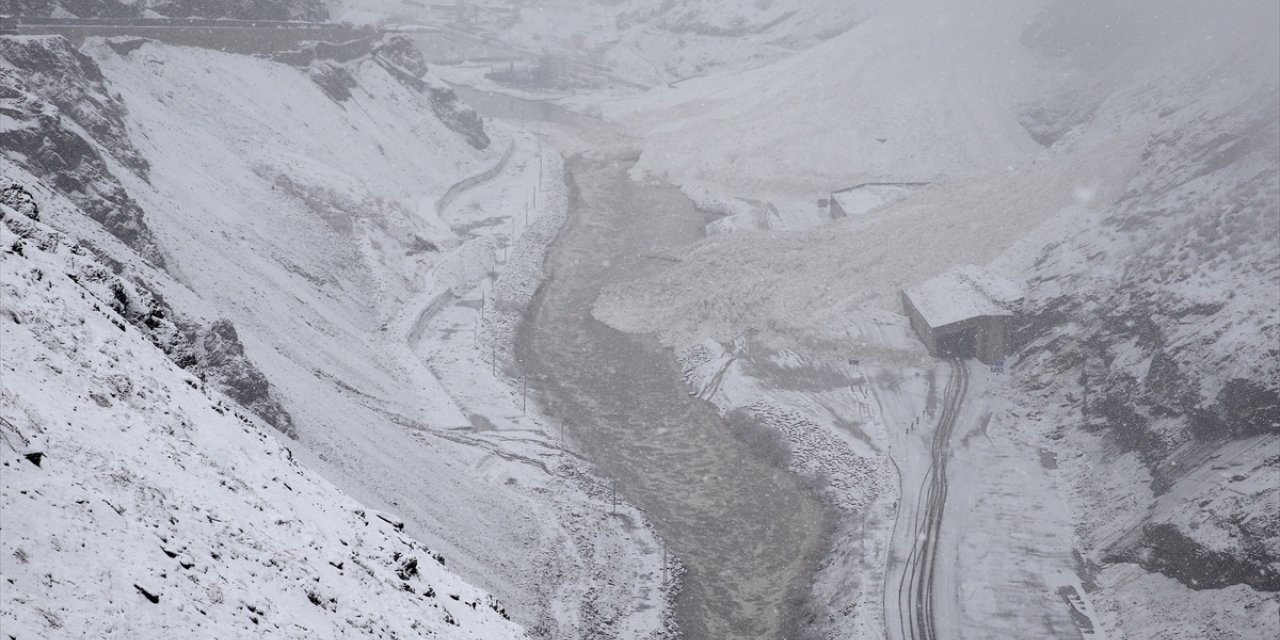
67	128
334	79
312	10
214	352
1162	311
399	56
139	504
220	358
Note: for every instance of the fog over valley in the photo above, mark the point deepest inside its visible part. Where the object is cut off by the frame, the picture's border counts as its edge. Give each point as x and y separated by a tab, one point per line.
640	319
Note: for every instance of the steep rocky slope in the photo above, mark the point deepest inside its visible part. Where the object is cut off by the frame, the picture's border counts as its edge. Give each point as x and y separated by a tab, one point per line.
1133	188
1157	322
142	503
70	131
293	226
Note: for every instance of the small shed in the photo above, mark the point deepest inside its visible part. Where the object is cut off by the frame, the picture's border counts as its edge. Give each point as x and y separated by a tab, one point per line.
966	312
861	198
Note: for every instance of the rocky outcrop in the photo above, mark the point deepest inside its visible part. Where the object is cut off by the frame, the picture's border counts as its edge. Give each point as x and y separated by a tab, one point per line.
1161	314
218	355
399	56
66	128
335	80
215	352
399	51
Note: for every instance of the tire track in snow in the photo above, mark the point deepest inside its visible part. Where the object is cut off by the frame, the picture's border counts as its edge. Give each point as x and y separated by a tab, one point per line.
915	586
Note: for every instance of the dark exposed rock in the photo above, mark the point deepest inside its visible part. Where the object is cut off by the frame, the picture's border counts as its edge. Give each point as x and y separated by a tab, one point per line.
1166	315
219	356
1164	548
401	59
57	73
16	197
408	568
399	50
395	522
125	46
51	87
1047	122
216	352
421	245
458	116
154	598
1244	408
335	80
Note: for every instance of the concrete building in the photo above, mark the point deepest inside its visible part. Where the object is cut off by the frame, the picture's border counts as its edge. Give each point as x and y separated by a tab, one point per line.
861	198
966	312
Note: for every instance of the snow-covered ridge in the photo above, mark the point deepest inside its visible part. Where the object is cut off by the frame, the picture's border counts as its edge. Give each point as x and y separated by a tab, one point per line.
241	9
142	503
300	206
68	128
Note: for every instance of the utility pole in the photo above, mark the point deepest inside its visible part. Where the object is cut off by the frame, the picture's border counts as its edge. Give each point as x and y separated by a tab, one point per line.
1084	404
613	496
664	563
494	360
524	395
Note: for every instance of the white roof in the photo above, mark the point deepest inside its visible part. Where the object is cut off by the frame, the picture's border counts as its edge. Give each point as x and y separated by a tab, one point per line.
865	197
964	292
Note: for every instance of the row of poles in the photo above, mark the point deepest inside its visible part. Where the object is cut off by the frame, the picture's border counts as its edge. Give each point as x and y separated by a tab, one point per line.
532	203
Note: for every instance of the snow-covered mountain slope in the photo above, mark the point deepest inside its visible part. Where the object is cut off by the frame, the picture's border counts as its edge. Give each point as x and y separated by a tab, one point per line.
1155	322
139	502
652	42
643	42
295	213
56	107
913	92
1133	188
237	9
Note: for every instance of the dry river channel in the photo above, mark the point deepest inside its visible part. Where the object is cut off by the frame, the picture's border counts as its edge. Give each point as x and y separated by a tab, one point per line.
750	535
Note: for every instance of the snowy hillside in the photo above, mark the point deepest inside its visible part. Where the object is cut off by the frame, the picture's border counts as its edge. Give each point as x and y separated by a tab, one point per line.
1132	187
642	42
652	43
869	104
226	278
235	9
142	503
288	226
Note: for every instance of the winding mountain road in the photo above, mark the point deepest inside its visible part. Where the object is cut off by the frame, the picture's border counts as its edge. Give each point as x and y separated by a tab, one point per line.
915	585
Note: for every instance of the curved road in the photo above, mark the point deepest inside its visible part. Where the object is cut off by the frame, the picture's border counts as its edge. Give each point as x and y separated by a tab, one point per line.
915	586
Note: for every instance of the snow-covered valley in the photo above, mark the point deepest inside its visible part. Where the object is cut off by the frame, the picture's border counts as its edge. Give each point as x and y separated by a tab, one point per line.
329	351
314	229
